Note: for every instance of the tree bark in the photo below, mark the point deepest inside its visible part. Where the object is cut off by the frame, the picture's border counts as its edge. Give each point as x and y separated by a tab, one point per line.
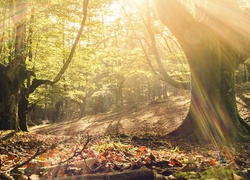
8	103
14	74
82	106
119	91
23	107
213	114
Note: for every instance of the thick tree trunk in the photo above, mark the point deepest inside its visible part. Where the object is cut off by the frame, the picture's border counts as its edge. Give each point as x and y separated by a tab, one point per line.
213	59
213	114
13	76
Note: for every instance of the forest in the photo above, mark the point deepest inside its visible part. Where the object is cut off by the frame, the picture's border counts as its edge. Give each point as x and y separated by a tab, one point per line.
145	89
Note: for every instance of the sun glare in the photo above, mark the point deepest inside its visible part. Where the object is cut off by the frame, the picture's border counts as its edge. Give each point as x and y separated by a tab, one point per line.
118	6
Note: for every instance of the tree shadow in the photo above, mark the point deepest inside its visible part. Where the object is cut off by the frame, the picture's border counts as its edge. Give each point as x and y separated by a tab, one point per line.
246	101
243	100
155	117
54	128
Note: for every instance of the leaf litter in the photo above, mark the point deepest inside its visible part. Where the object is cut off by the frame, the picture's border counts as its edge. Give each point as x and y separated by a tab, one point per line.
34	156
39	155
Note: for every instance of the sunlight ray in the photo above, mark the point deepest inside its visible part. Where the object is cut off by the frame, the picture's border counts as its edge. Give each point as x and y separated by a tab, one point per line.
207	119
229	21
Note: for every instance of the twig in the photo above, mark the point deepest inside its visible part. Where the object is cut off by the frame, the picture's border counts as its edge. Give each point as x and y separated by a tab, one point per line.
41	150
38	152
98	168
80	152
55	173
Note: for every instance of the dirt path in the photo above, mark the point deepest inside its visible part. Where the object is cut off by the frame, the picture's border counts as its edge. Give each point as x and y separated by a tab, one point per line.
159	117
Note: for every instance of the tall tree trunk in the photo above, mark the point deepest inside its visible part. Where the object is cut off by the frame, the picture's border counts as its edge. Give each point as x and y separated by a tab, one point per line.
23	106
246	72
25	92
119	91
82	106
57	111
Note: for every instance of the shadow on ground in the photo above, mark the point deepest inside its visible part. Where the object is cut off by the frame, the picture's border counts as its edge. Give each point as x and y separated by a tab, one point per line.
160	117
243	100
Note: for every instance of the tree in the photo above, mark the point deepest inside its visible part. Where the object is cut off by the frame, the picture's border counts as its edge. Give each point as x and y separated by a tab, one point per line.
14	90
214	46
14	73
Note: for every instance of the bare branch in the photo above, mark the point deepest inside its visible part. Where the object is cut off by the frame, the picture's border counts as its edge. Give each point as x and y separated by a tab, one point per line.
38	152
76	153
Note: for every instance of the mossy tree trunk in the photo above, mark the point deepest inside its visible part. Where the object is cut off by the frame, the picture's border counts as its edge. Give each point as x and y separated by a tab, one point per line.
214	50
213	113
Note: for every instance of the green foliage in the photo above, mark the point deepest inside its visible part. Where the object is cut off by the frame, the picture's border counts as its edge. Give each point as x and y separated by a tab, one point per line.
109	61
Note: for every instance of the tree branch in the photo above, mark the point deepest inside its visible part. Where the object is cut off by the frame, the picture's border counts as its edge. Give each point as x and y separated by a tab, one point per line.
175	16
66	64
36	83
162	72
167	78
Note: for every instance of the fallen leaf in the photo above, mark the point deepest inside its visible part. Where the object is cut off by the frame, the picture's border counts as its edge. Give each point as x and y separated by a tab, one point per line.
212	162
175	163
128	154
190	159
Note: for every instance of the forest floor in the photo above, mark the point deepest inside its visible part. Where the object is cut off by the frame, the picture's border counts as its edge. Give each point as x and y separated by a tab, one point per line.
130	140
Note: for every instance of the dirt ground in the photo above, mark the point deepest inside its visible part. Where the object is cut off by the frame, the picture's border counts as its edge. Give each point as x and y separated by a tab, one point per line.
159	117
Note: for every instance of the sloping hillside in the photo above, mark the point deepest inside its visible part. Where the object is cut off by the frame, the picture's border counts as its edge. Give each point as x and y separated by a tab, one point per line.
155	117
159	117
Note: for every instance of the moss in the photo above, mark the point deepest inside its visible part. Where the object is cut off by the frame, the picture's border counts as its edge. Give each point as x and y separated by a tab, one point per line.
211	173
217	173
187	175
